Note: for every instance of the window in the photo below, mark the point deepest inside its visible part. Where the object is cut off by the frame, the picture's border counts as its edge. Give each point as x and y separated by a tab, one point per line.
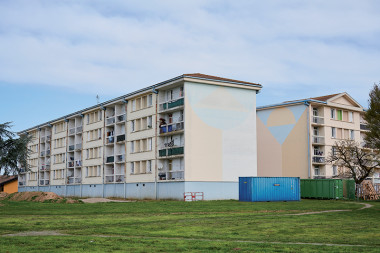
93	171
59	158
134	105
132	168
149	148
150	100
132	125
94	117
58	174
316	171
316	131
352	134
335	170
315	112
95	134
181	93
333	151
149	122
181	116
93	153
60	127
59	143
333	113
340	115
148	166
132	146
333	132
350	117
169	95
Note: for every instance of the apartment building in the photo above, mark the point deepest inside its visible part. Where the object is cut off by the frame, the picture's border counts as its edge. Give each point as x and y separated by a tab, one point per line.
191	133
295	137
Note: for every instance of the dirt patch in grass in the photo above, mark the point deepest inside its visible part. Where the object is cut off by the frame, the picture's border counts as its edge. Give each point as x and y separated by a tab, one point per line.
36	233
103	200
37	197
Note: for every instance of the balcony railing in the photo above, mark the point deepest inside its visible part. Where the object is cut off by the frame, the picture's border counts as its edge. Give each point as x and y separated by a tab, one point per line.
71	147
48	152
120	137
42	139
120	158
70	164
318	152
172	127
171	175
42	153
171	151
79	129
21	183
318	120
318	139
78	163
110	121
110	139
78	146
110	179
47	167
110	159
319	159
364	127
74	180
72	131
44	182
120	118
172	104
117	178
48	138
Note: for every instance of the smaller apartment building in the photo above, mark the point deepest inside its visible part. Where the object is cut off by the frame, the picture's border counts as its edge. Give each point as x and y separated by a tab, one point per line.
173	137
296	137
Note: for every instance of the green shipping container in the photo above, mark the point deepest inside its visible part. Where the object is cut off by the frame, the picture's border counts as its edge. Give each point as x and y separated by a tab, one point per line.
322	188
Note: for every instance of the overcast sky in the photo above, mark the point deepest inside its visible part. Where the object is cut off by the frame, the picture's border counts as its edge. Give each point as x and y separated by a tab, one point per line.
56	56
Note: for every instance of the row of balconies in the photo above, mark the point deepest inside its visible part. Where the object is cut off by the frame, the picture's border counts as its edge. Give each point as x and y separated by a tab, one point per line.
74	164
171	104
111	139
75	130
119	158
116	119
171	151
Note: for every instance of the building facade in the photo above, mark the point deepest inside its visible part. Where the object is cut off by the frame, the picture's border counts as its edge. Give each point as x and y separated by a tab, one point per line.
296	137
192	133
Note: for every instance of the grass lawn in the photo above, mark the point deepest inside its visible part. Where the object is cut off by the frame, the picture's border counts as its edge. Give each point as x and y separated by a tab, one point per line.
169	226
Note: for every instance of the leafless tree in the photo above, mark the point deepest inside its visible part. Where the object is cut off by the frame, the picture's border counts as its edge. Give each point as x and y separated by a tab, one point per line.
358	162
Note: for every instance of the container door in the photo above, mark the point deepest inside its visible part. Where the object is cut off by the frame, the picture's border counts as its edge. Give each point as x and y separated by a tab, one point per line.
245	189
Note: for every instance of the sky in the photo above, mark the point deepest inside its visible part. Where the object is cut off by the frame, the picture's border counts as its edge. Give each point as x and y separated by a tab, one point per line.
57	56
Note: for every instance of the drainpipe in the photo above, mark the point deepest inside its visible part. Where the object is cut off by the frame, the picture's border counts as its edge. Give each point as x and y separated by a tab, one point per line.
155	150
308	140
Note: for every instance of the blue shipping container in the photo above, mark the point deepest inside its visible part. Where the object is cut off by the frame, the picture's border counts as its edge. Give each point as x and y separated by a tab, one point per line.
269	189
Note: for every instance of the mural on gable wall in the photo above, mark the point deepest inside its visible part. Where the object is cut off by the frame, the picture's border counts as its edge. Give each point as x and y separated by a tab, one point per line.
282	141
226	117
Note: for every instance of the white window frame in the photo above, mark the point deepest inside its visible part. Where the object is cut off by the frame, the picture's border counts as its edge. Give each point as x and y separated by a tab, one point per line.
333	132
350	117
333	113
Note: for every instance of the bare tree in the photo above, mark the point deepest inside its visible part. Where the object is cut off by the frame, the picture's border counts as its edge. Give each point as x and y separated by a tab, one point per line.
359	162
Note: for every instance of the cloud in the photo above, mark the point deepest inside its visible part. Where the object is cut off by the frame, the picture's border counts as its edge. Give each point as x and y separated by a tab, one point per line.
294	48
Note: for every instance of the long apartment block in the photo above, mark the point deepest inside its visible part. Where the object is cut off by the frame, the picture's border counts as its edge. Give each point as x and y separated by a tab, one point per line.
192	133
296	137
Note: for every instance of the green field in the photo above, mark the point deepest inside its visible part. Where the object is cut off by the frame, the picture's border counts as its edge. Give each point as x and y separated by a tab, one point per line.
172	226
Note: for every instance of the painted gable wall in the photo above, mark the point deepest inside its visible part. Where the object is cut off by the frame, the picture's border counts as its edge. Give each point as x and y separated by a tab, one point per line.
220	136
283	142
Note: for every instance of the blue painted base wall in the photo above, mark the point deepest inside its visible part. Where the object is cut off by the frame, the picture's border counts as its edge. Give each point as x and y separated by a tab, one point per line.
165	190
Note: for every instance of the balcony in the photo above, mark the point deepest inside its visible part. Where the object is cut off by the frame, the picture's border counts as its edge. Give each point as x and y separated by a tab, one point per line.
70	164
318	139
173	127
110	121
171	151
42	139
364	127
78	146
48	152
120	119
110	159
74	180
110	140
318	120
72	131
78	163
171	105
171	175
42	167
42	153
47	167
120	158
44	182
48	138
21	183
79	129
120	138
71	147
319	159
